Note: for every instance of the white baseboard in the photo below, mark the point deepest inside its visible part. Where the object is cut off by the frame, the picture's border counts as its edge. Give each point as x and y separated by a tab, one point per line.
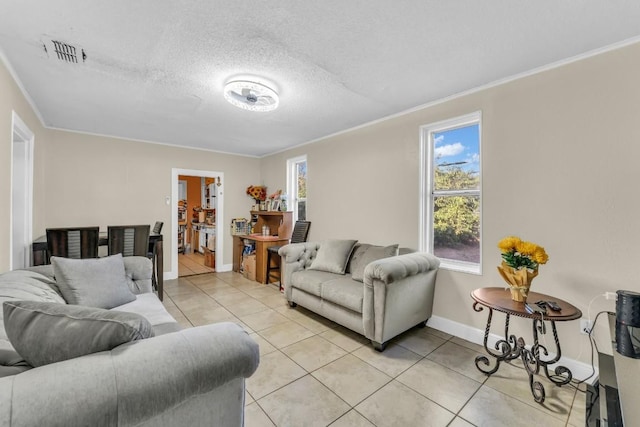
170	275
579	369
224	268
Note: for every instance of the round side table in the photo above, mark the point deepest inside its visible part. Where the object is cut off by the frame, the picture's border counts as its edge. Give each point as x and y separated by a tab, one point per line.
511	347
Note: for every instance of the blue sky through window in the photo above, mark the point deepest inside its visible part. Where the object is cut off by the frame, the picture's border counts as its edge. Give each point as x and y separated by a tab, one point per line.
459	147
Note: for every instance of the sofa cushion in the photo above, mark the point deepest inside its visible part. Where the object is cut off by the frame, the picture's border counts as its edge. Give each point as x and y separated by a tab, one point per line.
311	281
100	282
11	363
21	285
44	332
366	254
344	292
152	309
28	285
333	256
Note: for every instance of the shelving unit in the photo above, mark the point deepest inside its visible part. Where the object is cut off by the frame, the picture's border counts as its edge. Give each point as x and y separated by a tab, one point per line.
280	223
182	237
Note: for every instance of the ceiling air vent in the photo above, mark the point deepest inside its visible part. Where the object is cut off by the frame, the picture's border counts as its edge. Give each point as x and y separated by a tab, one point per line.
65	52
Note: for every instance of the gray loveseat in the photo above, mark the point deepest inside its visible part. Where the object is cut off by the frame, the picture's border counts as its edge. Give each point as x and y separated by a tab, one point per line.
382	296
190	377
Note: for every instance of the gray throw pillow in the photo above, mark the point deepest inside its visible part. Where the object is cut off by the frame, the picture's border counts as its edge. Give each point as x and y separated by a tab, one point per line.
333	256
362	258
358	250
99	282
49	332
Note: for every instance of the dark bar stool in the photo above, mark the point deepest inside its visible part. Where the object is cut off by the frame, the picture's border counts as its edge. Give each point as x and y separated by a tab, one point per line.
77	242
151	253
299	235
128	240
157	228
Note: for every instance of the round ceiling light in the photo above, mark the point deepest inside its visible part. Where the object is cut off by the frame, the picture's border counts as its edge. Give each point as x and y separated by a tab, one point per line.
251	95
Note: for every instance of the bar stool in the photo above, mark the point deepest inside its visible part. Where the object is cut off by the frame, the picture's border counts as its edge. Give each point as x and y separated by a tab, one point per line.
78	242
128	240
299	235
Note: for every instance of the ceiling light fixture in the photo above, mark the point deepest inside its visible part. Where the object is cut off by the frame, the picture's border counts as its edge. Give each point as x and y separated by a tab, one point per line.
251	95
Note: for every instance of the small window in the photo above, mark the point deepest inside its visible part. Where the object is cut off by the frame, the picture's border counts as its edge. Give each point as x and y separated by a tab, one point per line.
451	183
297	187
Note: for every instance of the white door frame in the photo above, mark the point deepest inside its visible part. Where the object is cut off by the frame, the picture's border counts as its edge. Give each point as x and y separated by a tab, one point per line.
175	172
22	140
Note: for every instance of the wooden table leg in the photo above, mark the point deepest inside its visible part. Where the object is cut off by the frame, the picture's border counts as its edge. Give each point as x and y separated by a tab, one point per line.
159	268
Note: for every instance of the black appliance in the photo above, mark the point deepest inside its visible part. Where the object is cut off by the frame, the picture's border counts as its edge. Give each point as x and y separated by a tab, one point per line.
628	324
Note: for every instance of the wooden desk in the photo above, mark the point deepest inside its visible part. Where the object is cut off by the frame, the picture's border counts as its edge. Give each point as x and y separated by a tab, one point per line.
39	252
262	244
510	347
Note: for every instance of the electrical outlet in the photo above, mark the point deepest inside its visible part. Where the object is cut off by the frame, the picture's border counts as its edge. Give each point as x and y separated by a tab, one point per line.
585	326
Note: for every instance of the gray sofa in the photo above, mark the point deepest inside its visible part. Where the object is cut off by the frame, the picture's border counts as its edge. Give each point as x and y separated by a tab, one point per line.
391	294
190	377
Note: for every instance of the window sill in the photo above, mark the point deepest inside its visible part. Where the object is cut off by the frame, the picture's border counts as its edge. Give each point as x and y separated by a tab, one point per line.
461	266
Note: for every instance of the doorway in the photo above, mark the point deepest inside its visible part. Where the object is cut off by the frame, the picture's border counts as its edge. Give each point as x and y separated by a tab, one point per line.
197	222
21	219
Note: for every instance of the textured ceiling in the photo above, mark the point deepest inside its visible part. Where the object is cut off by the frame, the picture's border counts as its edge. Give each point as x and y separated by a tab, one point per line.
155	70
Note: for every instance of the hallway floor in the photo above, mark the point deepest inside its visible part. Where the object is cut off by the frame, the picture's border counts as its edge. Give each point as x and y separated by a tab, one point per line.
191	264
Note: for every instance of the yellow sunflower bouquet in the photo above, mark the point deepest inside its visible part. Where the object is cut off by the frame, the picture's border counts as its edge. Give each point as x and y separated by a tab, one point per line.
520	261
518	254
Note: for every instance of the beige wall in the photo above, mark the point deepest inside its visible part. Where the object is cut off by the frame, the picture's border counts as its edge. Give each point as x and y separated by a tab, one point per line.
95	180
91	180
560	166
12	99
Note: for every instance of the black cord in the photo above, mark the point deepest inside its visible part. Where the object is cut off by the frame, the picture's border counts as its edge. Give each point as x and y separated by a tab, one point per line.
592	341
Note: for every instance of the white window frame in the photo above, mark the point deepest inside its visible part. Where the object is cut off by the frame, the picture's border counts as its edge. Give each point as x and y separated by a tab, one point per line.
292	185
427	194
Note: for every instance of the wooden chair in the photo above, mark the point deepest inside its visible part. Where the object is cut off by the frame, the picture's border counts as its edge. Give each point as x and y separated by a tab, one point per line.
151	253
299	235
78	242
128	240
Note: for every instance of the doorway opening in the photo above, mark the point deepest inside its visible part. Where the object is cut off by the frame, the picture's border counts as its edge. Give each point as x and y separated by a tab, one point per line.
21	219
197	222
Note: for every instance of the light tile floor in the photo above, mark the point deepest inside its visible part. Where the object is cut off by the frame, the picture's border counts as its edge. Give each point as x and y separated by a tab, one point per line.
314	372
193	263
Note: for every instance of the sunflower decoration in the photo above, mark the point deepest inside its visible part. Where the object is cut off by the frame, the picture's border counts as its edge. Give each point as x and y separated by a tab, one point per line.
257	192
519	254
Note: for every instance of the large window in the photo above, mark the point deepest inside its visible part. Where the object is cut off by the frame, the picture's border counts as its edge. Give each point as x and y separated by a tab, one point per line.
297	187
451	183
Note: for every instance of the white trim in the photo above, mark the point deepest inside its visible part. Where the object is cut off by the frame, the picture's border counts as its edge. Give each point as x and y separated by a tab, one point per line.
541	69
18	82
22	130
145	141
495	83
292	186
175	172
425	185
580	370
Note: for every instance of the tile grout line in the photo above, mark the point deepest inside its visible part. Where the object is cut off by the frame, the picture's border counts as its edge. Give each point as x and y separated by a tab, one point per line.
246	288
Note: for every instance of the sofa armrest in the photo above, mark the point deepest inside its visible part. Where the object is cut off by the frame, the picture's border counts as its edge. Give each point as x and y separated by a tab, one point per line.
398	294
393	269
295	257
131	383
